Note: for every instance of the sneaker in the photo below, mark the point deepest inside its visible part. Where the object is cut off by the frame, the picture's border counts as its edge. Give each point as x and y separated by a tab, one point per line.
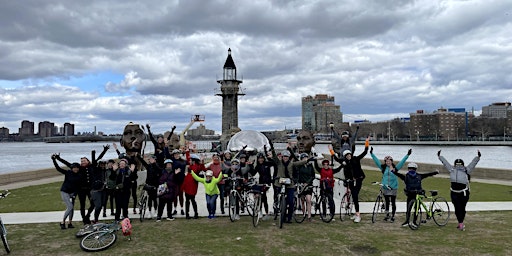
196	216
405	224
104	214
357	218
392	219
352	217
413	225
461	227
62	226
174	212
158	219
237	217
170	218
213	216
182	212
70	225
387	217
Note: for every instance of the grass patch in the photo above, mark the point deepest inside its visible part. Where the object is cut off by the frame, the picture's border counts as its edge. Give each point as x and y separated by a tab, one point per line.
219	237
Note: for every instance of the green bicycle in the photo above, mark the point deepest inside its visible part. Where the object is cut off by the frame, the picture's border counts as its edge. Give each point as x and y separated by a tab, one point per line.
438	210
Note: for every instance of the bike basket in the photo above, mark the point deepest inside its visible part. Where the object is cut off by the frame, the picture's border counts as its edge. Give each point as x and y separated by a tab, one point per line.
285	181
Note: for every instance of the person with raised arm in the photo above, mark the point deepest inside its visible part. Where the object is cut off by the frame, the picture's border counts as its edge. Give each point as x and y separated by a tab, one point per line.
459	186
68	190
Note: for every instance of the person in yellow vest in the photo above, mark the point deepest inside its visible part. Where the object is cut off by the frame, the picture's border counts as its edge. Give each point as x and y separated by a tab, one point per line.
211	190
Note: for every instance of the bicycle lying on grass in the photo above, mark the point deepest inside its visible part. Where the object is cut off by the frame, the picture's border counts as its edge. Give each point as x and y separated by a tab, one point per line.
438	209
105	237
3	231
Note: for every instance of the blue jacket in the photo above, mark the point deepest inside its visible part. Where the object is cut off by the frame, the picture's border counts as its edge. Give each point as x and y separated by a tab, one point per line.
389	178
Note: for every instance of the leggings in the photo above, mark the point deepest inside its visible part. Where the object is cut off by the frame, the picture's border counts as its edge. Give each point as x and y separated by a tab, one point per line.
179	198
163	202
460	200
152	200
354	189
109	195
69	201
134	195
83	194
191	199
393	204
122	200
98	198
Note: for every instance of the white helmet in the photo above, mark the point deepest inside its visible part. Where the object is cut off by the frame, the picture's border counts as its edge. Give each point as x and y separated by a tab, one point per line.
346	152
412	166
209	173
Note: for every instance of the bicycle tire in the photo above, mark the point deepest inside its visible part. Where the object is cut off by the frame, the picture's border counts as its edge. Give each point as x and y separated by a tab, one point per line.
143	203
249	204
377	208
232	205
3	234
315	204
346	207
325	210
415	214
98	241
282	210
257	207
299	211
440	210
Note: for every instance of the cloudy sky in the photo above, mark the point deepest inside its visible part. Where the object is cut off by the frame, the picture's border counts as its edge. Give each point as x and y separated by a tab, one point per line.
105	63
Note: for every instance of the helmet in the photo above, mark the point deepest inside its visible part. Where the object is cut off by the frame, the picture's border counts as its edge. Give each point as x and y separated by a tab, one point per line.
388	158
227	152
285	153
209	173
235	161
345	134
167	161
303	155
195	157
458	162
260	155
176	151
242	156
123	160
325	161
346	152
412	166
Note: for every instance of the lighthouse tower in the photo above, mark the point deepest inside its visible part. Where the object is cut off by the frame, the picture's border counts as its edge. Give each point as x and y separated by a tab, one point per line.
230	90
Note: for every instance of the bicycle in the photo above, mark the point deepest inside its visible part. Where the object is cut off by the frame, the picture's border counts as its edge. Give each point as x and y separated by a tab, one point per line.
280	203
380	205
143	201
90	228
3	230
315	201
239	199
101	239
299	206
438	209
347	203
320	204
257	194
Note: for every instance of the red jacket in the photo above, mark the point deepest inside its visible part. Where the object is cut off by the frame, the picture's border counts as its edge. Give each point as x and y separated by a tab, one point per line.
189	184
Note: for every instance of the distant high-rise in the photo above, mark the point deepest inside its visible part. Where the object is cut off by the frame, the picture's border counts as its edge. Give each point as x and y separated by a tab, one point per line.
496	110
46	129
4	132
318	112
443	124
69	129
27	128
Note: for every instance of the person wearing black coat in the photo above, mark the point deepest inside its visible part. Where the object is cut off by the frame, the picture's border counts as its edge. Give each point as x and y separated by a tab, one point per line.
68	190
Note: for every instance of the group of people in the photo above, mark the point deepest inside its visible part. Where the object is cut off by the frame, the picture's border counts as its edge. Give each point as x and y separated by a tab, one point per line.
173	176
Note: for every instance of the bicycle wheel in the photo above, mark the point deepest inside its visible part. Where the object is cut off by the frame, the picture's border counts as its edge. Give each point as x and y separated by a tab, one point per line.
440	211
299	209
143	202
282	210
232	205
325	210
3	234
377	208
346	207
257	207
315	205
415	214
249	203
98	241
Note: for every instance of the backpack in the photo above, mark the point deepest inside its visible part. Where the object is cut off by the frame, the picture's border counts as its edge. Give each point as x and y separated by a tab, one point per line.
126	227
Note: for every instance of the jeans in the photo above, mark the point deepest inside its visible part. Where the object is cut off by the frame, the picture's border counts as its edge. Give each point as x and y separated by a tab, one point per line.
210	203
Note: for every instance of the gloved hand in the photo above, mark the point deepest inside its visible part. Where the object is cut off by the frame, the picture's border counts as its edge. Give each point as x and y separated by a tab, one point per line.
479	154
409	152
371	150
439	153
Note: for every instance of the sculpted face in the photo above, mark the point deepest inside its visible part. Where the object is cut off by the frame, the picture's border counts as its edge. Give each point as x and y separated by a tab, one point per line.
133	138
305	141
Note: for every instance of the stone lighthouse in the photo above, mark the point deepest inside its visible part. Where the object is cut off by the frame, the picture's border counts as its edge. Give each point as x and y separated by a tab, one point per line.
230	90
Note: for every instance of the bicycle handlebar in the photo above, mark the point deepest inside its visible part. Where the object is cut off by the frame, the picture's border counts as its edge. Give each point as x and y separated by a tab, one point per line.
380	184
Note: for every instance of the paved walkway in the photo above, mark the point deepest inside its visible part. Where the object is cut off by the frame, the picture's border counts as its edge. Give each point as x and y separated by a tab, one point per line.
56	216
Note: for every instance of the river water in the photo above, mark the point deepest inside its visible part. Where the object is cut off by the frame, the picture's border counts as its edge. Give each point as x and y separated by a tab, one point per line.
27	156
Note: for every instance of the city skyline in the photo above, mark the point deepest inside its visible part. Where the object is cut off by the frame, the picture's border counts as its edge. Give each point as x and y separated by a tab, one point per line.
105	64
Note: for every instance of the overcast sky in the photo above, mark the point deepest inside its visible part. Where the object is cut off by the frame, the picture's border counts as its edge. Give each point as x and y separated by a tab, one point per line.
105	63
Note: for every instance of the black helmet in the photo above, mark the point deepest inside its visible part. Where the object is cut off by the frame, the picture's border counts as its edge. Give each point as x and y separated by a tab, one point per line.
345	133
260	155
458	162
